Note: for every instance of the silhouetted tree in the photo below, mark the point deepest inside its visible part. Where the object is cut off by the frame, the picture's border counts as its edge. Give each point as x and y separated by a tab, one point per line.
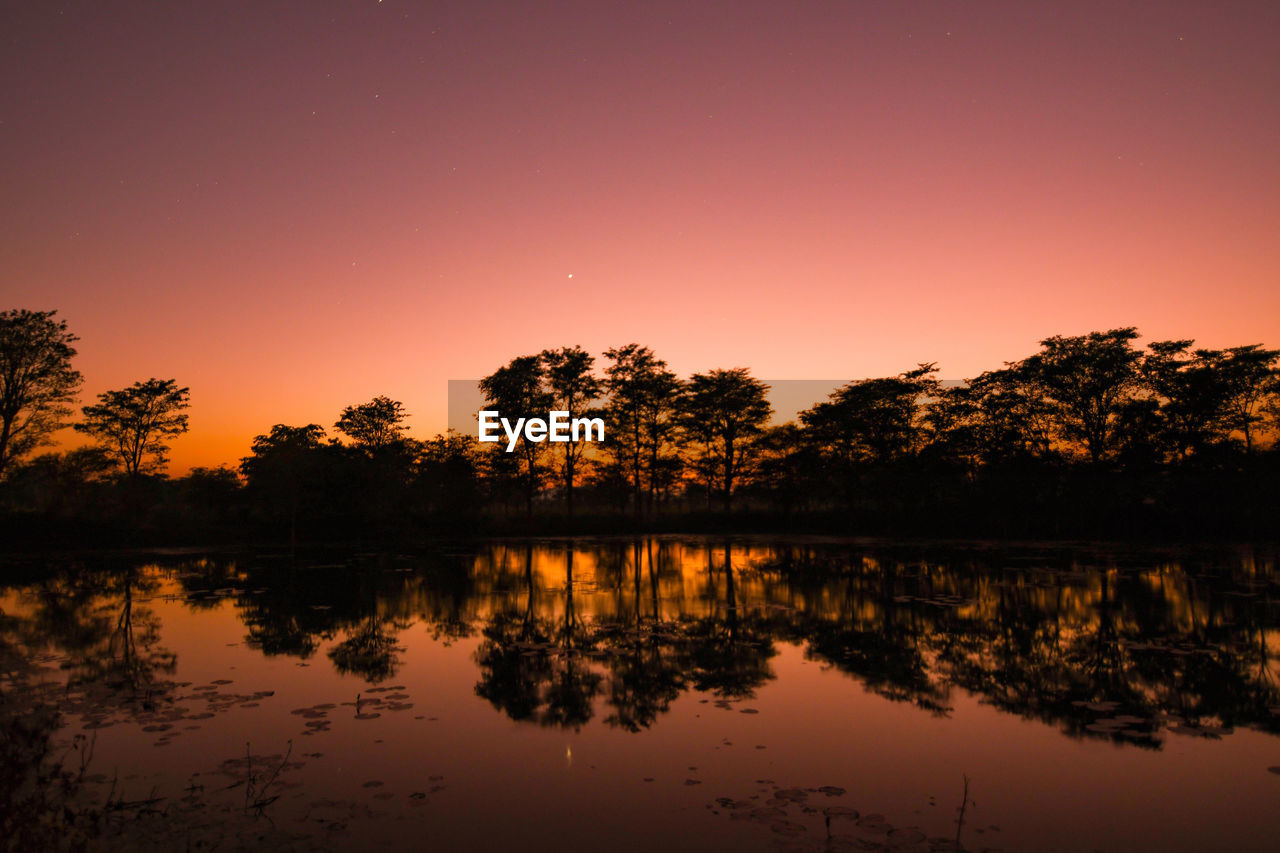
869	425
729	408
1088	378
284	468
373	425
1014	421
640	415
953	429
60	483
573	390
209	495
784	468
135	424
1191	393
1251	376
37	382
875	420
516	391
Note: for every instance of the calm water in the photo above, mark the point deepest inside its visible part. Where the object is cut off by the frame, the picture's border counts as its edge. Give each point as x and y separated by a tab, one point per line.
679	693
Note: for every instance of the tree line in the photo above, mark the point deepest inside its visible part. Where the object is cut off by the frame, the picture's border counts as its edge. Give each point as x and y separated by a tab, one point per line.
1090	435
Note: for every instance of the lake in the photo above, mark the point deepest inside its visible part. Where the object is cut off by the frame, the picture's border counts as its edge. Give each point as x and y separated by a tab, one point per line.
680	693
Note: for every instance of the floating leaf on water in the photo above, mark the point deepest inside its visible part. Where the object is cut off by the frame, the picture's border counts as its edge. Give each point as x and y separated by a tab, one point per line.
795	794
368	716
748	711
831	791
841	811
373	783
1275	768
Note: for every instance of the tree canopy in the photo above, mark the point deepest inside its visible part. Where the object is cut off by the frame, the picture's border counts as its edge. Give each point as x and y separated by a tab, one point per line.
135	424
37	382
373	425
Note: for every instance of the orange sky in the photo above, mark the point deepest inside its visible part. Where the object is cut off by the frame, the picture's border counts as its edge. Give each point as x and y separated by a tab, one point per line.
291	207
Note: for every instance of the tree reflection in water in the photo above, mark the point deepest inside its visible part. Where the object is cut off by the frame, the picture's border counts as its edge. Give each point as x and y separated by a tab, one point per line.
1099	643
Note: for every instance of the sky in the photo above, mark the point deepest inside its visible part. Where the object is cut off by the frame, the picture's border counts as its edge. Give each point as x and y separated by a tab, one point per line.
291	207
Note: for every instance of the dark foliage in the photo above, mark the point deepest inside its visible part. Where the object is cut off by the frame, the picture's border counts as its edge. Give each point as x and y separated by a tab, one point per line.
1088	437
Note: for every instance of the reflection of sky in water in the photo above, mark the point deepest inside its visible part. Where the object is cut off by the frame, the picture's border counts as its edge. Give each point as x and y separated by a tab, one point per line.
497	705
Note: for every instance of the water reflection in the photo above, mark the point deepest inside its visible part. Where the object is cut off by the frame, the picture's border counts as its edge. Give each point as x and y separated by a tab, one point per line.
99	622
1128	646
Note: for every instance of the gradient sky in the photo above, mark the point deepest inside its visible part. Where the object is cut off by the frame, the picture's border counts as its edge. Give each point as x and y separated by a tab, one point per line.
295	206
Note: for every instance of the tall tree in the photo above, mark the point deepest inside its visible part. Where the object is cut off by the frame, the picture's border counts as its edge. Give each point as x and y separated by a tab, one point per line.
1090	379
874	420
870	424
283	470
373	425
729	408
1251	375
573	389
784	468
37	382
1191	394
516	391
1013	420
660	425
640	414
134	424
